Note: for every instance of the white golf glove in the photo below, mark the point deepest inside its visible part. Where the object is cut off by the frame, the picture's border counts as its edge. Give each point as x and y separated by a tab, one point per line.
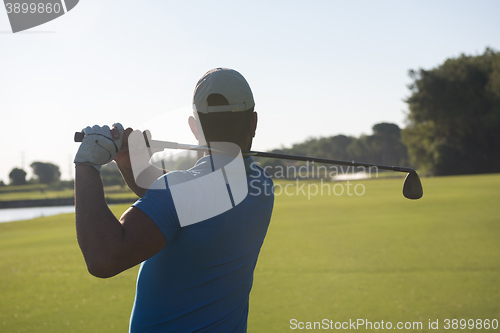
98	146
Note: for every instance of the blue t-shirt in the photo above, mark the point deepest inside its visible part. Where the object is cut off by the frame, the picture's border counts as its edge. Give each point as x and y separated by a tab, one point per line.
201	280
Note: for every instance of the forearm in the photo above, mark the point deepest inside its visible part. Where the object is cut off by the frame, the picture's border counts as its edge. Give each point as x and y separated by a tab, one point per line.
144	180
98	230
128	177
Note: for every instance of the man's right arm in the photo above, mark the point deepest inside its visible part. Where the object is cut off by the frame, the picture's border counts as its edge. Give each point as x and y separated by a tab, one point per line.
145	179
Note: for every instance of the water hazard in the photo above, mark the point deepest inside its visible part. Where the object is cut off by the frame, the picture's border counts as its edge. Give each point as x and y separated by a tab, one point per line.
19	214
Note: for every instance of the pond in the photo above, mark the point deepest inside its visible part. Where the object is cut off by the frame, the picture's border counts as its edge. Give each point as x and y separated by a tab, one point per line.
18	214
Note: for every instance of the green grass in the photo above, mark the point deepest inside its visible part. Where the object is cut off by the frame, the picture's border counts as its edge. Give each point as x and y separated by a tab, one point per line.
46	286
382	257
22	188
36	194
33	193
377	256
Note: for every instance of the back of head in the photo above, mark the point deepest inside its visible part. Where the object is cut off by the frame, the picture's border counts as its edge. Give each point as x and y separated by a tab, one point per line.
224	105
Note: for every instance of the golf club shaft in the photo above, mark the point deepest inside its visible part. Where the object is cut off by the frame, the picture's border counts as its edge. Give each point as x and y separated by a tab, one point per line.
174	145
325	161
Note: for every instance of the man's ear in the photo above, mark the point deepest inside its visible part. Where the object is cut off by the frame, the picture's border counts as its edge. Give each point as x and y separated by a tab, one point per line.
194	127
253	124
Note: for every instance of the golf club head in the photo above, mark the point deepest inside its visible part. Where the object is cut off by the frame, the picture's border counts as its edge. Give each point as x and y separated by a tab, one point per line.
412	187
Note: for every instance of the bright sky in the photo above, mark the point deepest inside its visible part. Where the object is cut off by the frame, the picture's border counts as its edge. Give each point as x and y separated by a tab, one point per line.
316	68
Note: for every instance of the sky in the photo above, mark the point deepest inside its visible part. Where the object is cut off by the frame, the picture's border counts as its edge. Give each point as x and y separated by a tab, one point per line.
316	68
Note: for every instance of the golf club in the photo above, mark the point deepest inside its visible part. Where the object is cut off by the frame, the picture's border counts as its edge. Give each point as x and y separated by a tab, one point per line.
412	187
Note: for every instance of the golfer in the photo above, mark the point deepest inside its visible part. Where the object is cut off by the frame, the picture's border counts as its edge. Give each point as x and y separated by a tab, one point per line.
194	276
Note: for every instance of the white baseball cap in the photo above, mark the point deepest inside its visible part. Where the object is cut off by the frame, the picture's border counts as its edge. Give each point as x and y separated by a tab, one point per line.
228	83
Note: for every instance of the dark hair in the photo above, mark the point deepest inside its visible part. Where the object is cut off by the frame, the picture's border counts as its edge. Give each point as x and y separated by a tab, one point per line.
216	100
226	126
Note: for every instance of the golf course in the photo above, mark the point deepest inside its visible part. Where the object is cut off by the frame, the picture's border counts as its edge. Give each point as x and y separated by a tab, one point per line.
328	259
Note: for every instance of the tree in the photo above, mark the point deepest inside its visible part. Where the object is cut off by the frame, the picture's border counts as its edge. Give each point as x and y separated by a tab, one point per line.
334	147
387	145
384	146
46	172
274	167
454	116
17	177
111	175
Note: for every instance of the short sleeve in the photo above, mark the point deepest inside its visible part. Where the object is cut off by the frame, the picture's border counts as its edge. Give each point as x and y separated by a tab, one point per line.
158	205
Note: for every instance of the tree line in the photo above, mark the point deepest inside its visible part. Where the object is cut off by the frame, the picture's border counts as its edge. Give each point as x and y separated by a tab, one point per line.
454	116
453	127
45	173
384	146
49	174
453	123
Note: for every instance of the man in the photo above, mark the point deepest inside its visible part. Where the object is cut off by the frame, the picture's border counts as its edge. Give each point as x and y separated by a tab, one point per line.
195	276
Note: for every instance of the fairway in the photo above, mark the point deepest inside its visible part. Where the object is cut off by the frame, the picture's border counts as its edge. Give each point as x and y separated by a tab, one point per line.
376	256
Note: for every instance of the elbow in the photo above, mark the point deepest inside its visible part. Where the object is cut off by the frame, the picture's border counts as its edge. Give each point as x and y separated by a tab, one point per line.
103	274
102	269
102	263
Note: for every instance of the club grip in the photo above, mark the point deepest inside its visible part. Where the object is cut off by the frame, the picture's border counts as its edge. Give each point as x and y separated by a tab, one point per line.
79	136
